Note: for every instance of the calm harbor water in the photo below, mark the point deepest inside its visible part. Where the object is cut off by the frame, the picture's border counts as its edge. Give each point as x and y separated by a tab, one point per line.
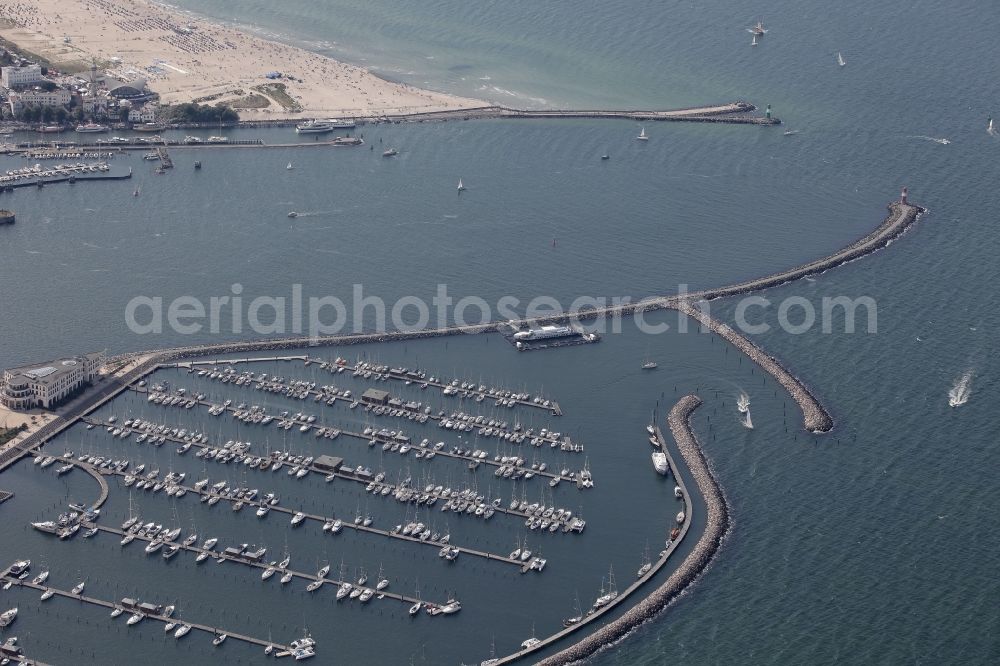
867	544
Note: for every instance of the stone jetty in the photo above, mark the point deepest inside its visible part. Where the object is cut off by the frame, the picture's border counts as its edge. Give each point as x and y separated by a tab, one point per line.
717	519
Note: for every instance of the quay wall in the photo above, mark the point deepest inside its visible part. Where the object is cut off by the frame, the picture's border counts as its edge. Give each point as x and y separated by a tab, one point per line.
693	565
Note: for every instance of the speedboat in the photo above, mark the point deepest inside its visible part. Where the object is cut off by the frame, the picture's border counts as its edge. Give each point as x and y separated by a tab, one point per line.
8	616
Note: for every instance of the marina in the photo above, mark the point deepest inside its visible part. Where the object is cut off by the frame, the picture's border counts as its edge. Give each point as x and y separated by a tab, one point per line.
155	613
36	176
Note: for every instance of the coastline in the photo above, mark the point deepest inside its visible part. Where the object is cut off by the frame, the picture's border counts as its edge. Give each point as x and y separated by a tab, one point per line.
189	58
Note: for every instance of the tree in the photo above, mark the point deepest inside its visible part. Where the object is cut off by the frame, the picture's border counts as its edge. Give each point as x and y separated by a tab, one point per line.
61	115
47	114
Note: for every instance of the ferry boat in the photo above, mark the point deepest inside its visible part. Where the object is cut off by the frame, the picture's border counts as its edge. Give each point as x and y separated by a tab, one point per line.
149	127
341	124
314	127
544	332
51	129
91	128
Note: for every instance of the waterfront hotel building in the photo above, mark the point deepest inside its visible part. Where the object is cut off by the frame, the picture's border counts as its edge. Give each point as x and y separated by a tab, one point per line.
47	385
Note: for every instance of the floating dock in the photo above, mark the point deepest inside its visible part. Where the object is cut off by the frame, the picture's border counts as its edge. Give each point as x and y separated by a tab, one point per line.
215	631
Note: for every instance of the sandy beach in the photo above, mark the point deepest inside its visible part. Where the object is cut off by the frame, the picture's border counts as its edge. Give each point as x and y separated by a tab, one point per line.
185	58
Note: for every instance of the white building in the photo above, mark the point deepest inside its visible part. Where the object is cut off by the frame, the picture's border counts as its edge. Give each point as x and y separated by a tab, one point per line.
54	98
95	105
46	386
142	114
13	77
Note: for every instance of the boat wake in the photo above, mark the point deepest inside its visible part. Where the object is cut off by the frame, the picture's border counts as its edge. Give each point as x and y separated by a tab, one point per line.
943	142
961	391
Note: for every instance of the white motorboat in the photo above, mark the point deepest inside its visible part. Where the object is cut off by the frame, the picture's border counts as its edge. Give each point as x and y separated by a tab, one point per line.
660	463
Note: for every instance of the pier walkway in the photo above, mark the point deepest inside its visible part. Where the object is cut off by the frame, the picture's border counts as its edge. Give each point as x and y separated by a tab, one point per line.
733	112
215	631
220	556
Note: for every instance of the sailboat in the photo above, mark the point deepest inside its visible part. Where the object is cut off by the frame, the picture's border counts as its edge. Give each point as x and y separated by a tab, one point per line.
648	363
989	125
642	135
135	192
840	59
753	42
461	187
758	29
570	621
289	167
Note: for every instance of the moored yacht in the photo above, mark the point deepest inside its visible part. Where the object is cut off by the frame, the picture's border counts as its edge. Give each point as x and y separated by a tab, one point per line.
660	463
